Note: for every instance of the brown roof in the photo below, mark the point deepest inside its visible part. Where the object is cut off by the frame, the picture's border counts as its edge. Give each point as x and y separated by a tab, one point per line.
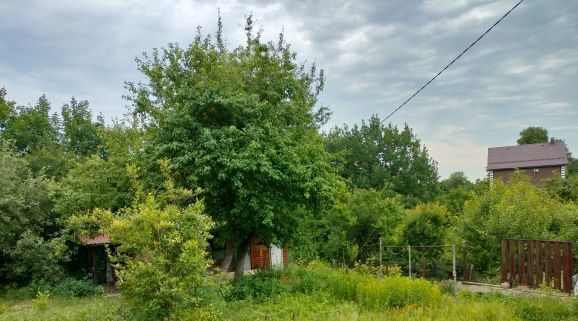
552	153
97	240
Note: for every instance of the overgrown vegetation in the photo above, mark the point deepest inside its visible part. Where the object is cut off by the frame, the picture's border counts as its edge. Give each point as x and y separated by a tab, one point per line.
226	144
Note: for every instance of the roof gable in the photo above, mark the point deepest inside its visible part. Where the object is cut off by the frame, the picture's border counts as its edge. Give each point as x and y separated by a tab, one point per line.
552	153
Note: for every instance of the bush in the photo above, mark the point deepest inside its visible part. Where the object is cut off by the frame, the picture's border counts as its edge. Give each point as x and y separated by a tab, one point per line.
264	284
161	260
41	301
364	288
66	288
397	292
70	287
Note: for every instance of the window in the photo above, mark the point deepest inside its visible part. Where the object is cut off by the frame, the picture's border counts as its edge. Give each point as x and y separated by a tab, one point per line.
536	170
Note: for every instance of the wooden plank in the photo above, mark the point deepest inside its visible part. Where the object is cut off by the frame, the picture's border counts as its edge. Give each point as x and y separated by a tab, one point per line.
529	263
512	269
557	257
539	263
570	264
504	267
521	262
548	263
567	263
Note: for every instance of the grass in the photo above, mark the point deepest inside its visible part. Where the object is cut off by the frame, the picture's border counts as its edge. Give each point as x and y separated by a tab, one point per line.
316	292
98	308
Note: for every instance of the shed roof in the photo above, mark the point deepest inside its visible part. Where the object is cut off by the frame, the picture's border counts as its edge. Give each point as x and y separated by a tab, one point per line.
97	240
552	153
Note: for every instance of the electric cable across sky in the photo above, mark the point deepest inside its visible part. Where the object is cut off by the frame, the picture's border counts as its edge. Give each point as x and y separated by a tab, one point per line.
452	62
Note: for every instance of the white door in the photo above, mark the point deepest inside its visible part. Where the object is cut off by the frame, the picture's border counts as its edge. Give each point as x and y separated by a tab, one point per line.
276	257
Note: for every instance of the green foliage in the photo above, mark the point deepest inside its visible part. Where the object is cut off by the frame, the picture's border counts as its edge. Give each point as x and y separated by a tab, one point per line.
350	229
31	127
504	210
64	288
34	258
84	309
566	189
27	220
161	260
378	156
533	135
101	181
263	285
7	109
397	292
93	183
41	301
456	191
426	225
376	214
456	180
241	125
80	134
547	309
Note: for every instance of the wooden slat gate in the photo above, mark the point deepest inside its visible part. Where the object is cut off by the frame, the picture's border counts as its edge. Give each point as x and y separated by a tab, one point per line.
533	262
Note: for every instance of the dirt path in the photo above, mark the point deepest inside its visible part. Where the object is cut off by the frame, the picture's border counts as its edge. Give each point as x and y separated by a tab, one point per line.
521	291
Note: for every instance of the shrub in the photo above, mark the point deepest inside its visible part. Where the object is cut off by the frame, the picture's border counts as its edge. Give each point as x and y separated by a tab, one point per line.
161	260
264	284
397	292
41	301
70	287
66	288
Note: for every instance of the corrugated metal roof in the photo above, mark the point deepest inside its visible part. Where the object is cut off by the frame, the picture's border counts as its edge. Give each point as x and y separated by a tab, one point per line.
528	155
97	240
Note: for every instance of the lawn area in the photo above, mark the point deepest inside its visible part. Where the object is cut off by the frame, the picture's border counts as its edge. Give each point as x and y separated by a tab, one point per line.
316	292
319	305
99	308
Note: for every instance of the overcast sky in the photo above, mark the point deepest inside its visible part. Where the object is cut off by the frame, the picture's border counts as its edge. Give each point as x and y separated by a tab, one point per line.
375	54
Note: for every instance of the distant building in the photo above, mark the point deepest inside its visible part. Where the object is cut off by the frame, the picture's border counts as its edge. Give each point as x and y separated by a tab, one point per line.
538	161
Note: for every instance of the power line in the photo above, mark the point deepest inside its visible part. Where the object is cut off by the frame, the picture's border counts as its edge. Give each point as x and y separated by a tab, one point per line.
455	59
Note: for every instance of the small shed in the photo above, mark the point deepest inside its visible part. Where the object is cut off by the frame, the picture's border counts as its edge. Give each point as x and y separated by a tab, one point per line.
97	261
258	256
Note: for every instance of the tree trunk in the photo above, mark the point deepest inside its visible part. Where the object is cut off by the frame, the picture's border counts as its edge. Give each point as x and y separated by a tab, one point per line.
229	254
242	249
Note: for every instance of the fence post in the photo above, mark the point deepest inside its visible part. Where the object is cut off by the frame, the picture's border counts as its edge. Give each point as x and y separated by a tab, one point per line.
380	257
454	273
409	255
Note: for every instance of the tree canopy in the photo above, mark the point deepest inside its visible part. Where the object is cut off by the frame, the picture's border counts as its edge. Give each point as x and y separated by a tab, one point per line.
242	125
533	135
377	156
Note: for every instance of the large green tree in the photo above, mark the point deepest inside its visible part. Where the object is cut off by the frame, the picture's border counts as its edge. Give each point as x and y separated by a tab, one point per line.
242	125
26	221
80	132
533	135
31	127
377	156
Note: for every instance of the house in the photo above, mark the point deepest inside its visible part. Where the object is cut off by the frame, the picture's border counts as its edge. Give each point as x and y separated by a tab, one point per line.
258	256
538	161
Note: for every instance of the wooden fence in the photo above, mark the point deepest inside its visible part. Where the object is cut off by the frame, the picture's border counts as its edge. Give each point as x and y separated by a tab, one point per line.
533	262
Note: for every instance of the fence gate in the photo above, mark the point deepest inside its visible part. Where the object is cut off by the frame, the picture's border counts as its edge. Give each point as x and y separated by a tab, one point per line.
534	262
